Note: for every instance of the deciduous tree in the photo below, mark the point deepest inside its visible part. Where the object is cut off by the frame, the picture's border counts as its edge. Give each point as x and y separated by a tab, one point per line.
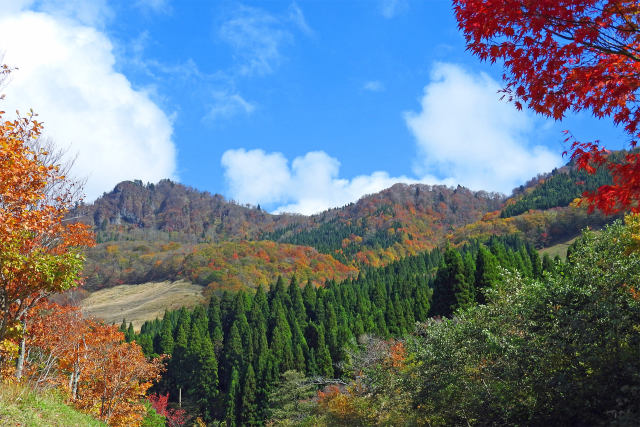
569	55
38	249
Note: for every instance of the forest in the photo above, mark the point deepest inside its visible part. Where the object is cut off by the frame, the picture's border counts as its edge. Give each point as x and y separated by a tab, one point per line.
228	357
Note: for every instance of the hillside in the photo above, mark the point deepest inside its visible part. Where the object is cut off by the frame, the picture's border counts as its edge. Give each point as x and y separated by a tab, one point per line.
139	303
22	406
224	265
399	221
167	231
169	210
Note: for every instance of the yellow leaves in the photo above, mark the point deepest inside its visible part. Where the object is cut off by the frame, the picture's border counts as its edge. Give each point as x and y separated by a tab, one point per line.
576	203
633	225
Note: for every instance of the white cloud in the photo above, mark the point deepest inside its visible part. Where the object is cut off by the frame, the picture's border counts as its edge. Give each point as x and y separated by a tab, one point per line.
391	8
464	132
157	6
311	184
66	74
373	86
297	17
226	105
257	37
94	13
464	135
255	176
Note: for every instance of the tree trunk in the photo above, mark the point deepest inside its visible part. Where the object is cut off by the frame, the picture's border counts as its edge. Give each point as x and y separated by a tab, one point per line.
23	347
74	386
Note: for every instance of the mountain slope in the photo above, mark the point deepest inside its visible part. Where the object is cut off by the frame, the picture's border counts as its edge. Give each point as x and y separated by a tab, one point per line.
399	221
135	211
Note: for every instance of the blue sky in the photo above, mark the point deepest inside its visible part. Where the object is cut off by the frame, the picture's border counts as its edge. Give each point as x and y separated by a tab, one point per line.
297	106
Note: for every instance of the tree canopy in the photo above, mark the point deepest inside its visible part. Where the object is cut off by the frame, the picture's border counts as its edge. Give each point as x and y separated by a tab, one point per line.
568	55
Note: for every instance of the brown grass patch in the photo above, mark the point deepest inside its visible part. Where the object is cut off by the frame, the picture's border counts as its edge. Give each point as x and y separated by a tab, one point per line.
138	303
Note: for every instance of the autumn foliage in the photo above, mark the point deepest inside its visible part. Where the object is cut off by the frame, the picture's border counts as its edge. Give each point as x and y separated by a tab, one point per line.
38	250
160	403
568	56
39	256
101	374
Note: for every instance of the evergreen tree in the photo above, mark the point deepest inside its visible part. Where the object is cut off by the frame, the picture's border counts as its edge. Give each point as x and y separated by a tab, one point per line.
231	405
249	415
486	272
291	398
206	376
451	290
213	314
232	354
281	345
547	263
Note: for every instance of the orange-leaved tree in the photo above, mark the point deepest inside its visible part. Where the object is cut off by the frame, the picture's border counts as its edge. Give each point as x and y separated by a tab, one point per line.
39	250
569	55
102	374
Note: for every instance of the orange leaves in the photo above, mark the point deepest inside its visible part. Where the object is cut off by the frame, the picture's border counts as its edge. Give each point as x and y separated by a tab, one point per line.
397	355
38	253
101	374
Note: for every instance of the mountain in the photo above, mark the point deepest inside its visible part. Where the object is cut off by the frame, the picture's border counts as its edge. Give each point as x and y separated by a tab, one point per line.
168	231
383	227
169	210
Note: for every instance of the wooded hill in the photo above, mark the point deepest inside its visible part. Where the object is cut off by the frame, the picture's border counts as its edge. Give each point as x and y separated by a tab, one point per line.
228	357
167	231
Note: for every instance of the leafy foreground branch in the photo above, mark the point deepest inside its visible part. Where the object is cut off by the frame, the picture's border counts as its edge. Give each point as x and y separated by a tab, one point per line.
562	350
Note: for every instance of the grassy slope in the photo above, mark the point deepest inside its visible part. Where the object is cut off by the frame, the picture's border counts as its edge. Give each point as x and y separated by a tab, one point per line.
21	406
137	303
559	249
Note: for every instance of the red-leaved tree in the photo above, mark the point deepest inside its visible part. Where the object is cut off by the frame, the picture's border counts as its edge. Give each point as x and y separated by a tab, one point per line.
174	417
568	55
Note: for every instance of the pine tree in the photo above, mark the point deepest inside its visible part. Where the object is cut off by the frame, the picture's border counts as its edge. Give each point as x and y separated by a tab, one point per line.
323	356
280	342
232	354
291	398
309	299
130	334
297	303
536	263
547	263
213	314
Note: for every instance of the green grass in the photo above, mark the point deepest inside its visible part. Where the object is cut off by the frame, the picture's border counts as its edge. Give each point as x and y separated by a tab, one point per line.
560	249
22	406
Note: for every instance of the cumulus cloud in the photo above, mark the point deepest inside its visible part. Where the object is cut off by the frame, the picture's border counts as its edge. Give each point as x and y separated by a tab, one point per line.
66	74
466	133
309	185
93	13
